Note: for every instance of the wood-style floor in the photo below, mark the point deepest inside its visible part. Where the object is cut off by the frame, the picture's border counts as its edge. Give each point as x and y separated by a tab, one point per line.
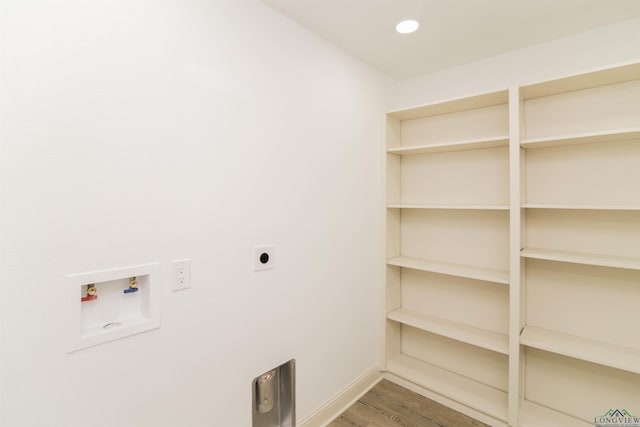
389	405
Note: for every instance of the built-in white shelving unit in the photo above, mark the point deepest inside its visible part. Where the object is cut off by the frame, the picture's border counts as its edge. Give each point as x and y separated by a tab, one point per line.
448	244
581	246
513	250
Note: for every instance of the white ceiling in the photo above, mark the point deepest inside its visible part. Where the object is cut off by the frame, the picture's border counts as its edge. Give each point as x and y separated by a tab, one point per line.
453	32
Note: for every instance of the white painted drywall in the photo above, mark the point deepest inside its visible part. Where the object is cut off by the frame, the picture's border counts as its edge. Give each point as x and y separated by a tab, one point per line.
140	131
574	54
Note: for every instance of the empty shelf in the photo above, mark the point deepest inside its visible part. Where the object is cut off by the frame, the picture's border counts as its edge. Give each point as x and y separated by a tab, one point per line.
533	415
614	356
481	397
600	77
583	138
487	274
453	105
454	330
583	207
582	258
461	207
472	144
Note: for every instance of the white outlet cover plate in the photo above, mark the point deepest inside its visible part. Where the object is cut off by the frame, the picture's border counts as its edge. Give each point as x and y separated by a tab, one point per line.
180	281
270	250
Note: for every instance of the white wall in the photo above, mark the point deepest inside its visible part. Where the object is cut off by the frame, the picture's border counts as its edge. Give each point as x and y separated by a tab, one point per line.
570	55
137	131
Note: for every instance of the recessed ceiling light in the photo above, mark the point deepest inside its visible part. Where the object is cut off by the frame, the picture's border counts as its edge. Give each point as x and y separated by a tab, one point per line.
408	26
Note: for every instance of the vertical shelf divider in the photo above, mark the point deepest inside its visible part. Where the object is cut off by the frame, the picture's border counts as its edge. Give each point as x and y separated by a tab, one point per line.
421	344
515	218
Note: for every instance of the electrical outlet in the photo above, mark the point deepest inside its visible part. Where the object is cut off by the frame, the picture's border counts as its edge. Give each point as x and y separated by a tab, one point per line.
264	257
181	274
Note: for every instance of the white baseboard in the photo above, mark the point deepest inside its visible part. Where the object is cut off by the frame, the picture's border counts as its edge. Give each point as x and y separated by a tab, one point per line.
343	399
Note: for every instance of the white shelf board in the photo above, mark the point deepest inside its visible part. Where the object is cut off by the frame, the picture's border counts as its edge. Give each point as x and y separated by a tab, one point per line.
454	330
582	258
534	415
583	138
452	105
483	398
473	144
581	207
601	77
614	356
487	274
460	207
